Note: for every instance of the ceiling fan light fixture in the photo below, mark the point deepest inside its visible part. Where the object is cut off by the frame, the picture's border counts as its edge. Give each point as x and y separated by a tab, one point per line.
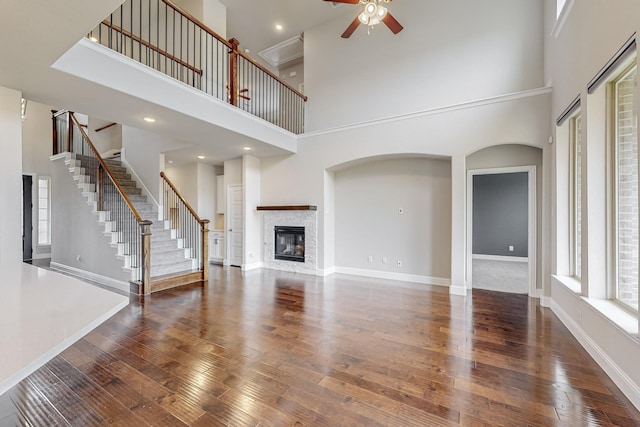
363	18
381	12
370	9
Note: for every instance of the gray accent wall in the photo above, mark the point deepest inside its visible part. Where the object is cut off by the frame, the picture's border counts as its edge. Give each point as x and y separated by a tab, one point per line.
500	214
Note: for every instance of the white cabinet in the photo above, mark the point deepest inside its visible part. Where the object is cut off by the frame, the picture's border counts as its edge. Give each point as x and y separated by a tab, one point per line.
216	246
221	203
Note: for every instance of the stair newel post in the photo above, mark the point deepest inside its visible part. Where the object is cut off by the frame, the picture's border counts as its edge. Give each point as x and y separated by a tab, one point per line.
69	133
205	250
233	72
145	231
55	133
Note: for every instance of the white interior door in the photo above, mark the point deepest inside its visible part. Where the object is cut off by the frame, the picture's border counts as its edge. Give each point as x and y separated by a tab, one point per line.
235	229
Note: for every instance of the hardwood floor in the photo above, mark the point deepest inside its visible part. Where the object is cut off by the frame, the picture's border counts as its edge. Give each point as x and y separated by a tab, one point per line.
279	349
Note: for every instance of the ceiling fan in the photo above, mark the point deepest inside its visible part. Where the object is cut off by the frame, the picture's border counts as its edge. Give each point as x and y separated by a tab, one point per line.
373	13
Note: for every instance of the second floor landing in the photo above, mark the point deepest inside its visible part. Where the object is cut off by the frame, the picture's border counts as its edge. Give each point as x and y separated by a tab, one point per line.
47	57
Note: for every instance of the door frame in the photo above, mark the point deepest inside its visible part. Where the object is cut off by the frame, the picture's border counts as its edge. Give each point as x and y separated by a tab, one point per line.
531	221
227	258
29	214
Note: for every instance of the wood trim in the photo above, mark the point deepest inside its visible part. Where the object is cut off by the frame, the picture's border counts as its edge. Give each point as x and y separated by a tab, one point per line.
105	127
195	215
288	208
152	47
161	283
106	168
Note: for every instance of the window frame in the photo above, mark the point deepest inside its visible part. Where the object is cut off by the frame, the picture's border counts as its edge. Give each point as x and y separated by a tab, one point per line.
575	226
613	110
48	211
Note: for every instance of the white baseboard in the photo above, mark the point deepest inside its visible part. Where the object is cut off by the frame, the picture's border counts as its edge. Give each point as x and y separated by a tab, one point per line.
619	377
500	258
545	301
249	267
83	274
458	290
327	271
415	278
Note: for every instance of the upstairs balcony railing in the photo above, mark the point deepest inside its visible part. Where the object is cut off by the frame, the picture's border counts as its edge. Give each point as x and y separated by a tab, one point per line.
162	36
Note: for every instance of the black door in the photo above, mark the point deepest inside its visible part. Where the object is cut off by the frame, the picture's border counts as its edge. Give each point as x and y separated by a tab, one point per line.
27	215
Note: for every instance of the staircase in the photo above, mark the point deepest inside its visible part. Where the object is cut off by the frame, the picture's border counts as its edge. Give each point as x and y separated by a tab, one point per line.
169	258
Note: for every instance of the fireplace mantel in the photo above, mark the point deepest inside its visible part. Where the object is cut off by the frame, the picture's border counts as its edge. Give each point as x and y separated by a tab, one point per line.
288	208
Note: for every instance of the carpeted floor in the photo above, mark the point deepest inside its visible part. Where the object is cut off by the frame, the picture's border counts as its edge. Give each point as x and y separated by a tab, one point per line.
502	276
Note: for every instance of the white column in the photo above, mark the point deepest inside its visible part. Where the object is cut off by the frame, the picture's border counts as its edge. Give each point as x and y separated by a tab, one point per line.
458	225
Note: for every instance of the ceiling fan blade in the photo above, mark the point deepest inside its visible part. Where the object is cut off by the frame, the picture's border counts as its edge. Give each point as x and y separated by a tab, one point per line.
345	1
351	28
392	23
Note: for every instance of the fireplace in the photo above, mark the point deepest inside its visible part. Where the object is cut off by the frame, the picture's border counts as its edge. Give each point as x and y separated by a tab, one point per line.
289	243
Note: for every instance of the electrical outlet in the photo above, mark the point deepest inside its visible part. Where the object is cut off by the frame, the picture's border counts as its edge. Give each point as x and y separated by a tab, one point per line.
399	263
510	248
370	259
384	259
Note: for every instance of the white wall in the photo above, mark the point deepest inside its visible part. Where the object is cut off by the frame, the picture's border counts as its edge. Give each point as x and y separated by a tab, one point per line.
77	239
37	135
107	139
603	27
252	218
232	173
206	191
37	148
143	150
185	179
11	175
196	182
368	198
449	52
518	155
305	178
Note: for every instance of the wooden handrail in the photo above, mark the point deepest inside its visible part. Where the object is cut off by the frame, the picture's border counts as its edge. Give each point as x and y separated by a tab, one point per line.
231	46
195	215
272	75
197	22
107	170
152	47
100	129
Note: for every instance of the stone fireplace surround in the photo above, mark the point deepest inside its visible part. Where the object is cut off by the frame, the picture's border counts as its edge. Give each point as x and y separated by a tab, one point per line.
291	216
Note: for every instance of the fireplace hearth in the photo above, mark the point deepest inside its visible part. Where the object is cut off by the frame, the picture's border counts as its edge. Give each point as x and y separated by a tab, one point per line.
289	243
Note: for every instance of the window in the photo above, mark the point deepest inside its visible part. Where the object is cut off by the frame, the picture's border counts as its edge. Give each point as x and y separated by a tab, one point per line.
627	228
44	211
575	134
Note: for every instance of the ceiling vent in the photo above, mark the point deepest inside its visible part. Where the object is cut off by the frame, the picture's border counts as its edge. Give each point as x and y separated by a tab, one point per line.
284	52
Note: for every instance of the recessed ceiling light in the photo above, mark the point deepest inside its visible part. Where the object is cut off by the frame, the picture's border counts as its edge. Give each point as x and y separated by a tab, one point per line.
201	157
170	162
149	120
93	39
246	148
279	27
